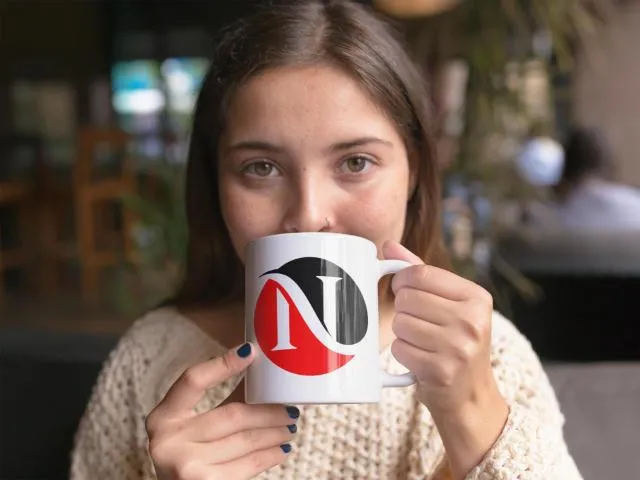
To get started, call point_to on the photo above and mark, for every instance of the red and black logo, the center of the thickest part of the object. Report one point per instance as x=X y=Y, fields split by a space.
x=308 y=314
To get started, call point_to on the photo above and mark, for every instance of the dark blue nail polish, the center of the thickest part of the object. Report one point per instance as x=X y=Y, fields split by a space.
x=244 y=351
x=286 y=448
x=293 y=412
x=292 y=428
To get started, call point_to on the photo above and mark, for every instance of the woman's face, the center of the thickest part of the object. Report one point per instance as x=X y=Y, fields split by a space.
x=305 y=150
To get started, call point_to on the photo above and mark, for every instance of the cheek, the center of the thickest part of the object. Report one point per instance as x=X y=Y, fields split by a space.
x=246 y=217
x=380 y=213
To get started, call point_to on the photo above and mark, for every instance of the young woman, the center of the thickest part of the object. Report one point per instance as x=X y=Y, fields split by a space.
x=313 y=118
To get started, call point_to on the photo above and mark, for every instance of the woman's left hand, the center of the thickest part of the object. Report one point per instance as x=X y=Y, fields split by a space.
x=443 y=330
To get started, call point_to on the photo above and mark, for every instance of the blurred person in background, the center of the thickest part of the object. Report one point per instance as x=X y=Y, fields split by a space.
x=586 y=197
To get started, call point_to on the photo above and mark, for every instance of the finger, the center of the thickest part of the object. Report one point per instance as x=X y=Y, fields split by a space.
x=434 y=280
x=253 y=464
x=418 y=333
x=244 y=443
x=424 y=305
x=189 y=389
x=415 y=359
x=396 y=251
x=427 y=277
x=433 y=370
x=232 y=418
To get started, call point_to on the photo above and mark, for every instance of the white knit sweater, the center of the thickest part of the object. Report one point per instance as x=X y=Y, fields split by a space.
x=395 y=439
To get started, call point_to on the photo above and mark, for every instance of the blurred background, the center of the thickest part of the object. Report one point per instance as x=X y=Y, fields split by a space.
x=535 y=103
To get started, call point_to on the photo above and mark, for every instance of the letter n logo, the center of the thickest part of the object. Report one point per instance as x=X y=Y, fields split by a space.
x=305 y=307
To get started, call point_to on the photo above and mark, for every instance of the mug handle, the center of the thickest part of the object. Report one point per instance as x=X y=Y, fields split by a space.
x=388 y=267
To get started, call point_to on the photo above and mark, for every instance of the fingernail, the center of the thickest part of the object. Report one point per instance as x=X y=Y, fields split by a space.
x=293 y=412
x=286 y=448
x=292 y=428
x=244 y=351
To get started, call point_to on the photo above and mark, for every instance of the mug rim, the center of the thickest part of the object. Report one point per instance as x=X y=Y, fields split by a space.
x=345 y=236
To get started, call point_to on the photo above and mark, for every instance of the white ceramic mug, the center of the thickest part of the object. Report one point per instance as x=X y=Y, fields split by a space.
x=312 y=311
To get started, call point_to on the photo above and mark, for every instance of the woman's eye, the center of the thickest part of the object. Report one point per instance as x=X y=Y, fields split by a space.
x=261 y=169
x=356 y=164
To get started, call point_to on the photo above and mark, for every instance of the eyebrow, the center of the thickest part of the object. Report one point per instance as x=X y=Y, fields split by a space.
x=255 y=145
x=337 y=147
x=359 y=142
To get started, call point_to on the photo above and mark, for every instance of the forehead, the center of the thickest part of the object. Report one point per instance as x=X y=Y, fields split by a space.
x=318 y=99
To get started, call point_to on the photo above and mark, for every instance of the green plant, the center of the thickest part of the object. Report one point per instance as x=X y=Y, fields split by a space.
x=501 y=42
x=160 y=238
x=161 y=232
x=505 y=49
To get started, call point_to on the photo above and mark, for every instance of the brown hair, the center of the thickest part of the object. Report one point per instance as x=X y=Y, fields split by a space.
x=343 y=34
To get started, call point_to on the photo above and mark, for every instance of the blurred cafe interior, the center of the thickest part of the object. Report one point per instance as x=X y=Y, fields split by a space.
x=96 y=99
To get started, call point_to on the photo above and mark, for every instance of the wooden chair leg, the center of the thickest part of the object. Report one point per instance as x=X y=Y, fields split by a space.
x=28 y=244
x=90 y=284
x=2 y=286
x=86 y=245
x=48 y=267
x=128 y=226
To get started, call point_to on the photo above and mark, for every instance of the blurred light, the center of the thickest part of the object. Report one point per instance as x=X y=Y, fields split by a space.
x=183 y=78
x=138 y=101
x=541 y=162
x=137 y=87
x=413 y=8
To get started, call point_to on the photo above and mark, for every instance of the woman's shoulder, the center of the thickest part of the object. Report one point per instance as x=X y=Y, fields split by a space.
x=515 y=363
x=158 y=325
x=509 y=345
x=158 y=347
x=504 y=331
x=165 y=336
x=165 y=331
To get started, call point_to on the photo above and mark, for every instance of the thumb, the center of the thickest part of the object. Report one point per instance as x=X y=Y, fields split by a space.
x=395 y=251
x=233 y=362
x=191 y=387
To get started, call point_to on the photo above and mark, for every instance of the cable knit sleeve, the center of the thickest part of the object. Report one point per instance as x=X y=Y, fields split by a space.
x=111 y=440
x=531 y=445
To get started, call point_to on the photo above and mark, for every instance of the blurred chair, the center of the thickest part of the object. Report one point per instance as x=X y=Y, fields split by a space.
x=16 y=195
x=21 y=163
x=35 y=442
x=590 y=282
x=103 y=175
x=57 y=233
x=91 y=191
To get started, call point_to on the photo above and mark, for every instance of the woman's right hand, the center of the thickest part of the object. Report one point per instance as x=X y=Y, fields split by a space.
x=234 y=441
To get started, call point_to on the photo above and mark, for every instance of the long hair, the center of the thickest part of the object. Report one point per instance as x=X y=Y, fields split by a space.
x=341 y=34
